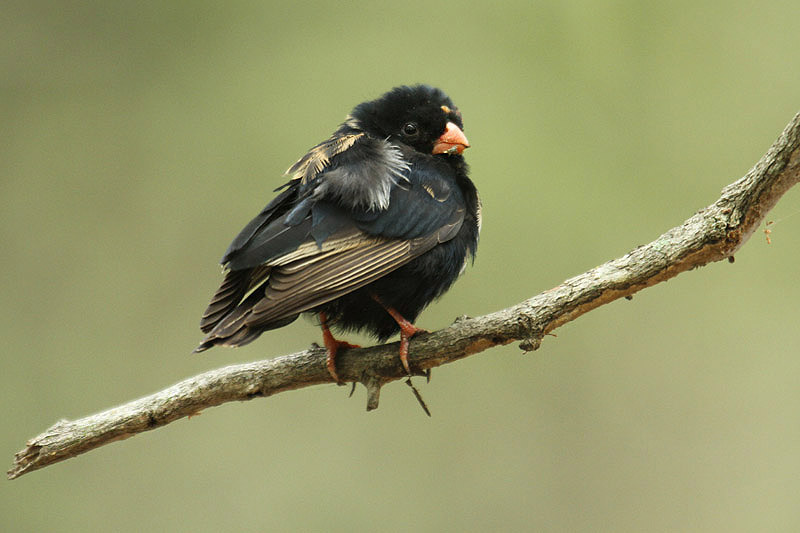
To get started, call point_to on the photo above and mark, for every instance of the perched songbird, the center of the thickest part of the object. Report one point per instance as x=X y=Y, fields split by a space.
x=375 y=223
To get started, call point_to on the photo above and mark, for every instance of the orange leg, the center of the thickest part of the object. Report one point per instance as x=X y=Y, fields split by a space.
x=407 y=330
x=332 y=345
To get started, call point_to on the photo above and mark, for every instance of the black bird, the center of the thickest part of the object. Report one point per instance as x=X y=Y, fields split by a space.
x=375 y=223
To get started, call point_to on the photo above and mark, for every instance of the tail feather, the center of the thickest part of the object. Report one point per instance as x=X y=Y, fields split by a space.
x=233 y=331
x=226 y=298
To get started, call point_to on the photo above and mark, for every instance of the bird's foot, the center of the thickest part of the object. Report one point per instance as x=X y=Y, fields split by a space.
x=407 y=330
x=330 y=360
x=332 y=346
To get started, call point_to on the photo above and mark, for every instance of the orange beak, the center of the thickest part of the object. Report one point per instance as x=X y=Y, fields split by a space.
x=451 y=141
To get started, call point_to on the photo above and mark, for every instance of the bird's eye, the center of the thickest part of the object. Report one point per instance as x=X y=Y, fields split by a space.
x=410 y=129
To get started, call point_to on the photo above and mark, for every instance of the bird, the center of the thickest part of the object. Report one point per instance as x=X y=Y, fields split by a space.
x=375 y=223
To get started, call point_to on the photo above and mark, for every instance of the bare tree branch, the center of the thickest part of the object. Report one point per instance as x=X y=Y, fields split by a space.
x=712 y=234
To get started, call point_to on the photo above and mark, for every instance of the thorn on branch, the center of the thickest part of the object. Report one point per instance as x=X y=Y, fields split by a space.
x=418 y=396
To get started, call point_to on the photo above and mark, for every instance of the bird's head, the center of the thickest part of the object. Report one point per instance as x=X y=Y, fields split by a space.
x=419 y=116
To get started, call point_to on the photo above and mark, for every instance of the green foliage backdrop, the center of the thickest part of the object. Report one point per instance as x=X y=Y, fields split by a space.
x=137 y=138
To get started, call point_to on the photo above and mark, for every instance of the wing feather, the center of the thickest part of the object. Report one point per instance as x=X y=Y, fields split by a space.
x=319 y=157
x=291 y=292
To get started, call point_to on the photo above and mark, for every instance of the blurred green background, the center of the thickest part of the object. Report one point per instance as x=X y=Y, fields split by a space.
x=138 y=138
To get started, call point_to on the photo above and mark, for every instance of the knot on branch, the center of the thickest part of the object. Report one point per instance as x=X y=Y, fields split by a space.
x=531 y=344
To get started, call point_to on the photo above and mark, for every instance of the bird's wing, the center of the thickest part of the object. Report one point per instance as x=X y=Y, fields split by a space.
x=331 y=252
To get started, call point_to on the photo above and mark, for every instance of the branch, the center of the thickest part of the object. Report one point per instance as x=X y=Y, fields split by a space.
x=712 y=234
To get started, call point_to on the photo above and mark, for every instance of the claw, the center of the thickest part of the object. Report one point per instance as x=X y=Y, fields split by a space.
x=332 y=346
x=407 y=330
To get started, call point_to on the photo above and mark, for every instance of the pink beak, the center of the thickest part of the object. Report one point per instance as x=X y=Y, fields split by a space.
x=452 y=140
